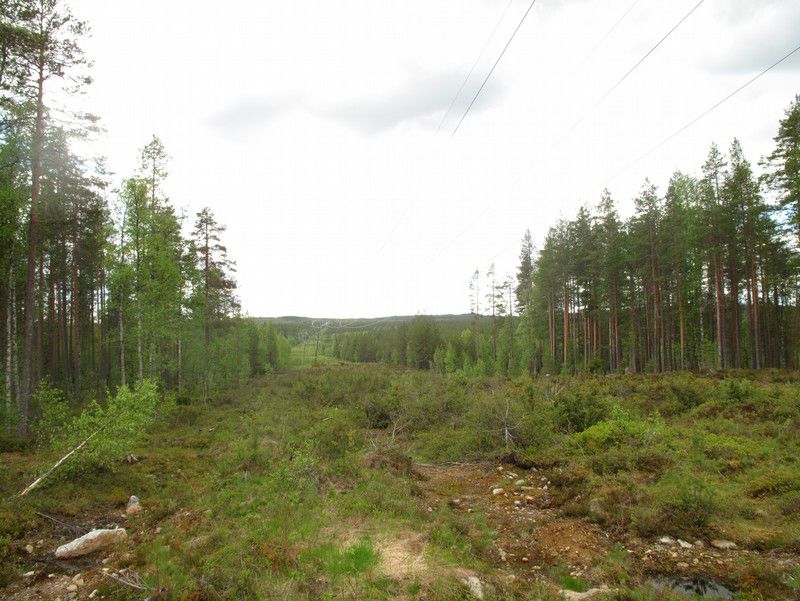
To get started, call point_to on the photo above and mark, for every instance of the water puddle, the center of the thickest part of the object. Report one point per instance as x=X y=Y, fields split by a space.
x=693 y=587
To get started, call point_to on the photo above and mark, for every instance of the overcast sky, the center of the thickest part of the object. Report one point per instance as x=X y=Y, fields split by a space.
x=310 y=127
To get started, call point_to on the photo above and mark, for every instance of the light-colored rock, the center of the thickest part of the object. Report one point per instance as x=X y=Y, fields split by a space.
x=474 y=585
x=520 y=482
x=667 y=540
x=585 y=596
x=93 y=594
x=29 y=549
x=134 y=506
x=725 y=545
x=90 y=542
x=498 y=491
x=684 y=544
x=29 y=574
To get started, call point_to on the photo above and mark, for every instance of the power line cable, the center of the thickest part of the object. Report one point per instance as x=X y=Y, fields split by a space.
x=607 y=35
x=475 y=64
x=704 y=114
x=489 y=74
x=628 y=73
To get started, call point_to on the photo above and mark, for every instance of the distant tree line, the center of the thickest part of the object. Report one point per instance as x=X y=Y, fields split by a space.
x=703 y=275
x=98 y=288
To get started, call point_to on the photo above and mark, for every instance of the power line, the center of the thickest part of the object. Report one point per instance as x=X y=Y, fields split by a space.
x=705 y=113
x=628 y=73
x=499 y=58
x=607 y=35
x=475 y=64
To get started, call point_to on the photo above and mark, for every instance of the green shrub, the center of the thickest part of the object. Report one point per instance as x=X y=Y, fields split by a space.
x=580 y=408
x=685 y=504
x=114 y=428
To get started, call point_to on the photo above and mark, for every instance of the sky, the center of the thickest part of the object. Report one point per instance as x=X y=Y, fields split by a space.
x=319 y=132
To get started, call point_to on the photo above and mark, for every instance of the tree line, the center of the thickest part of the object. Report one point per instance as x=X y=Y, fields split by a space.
x=100 y=287
x=701 y=275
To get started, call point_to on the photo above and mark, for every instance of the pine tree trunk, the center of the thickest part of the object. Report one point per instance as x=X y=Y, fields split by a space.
x=23 y=398
x=9 y=377
x=720 y=304
x=566 y=322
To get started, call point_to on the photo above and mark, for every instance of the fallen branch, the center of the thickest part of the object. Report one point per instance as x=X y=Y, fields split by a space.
x=131 y=579
x=38 y=480
x=67 y=525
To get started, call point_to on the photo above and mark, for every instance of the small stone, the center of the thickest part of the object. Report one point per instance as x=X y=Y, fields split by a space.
x=544 y=487
x=525 y=559
x=134 y=506
x=517 y=503
x=699 y=543
x=29 y=549
x=725 y=545
x=72 y=588
x=93 y=594
x=520 y=482
x=683 y=565
x=29 y=574
x=498 y=491
x=684 y=544
x=667 y=540
x=474 y=585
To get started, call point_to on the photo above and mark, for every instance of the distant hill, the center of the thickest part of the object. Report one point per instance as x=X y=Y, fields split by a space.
x=293 y=323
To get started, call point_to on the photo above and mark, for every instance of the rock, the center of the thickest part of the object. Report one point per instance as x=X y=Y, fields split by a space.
x=93 y=594
x=29 y=574
x=29 y=549
x=683 y=565
x=72 y=588
x=134 y=506
x=684 y=544
x=725 y=545
x=90 y=542
x=520 y=482
x=474 y=585
x=667 y=540
x=596 y=507
x=699 y=543
x=498 y=491
x=130 y=458
x=585 y=596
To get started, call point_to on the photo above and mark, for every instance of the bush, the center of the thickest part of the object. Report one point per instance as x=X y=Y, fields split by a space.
x=579 y=409
x=686 y=504
x=114 y=428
